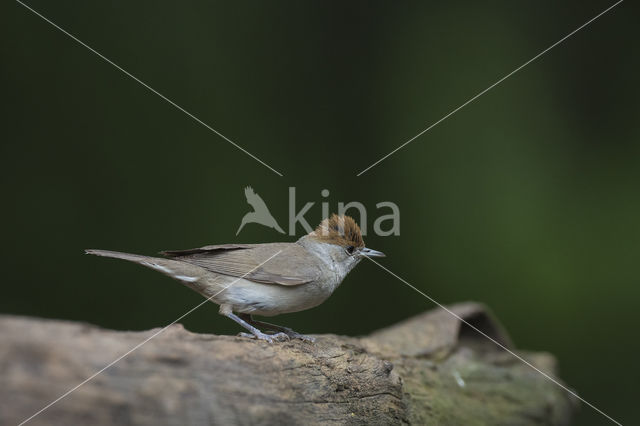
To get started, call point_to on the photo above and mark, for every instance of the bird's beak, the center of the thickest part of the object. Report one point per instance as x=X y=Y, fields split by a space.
x=371 y=253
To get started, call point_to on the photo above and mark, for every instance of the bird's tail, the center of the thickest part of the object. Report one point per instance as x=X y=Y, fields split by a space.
x=118 y=255
x=182 y=271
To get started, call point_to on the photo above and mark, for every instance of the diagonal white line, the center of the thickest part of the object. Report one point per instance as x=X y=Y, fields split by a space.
x=141 y=343
x=491 y=87
x=546 y=375
x=150 y=88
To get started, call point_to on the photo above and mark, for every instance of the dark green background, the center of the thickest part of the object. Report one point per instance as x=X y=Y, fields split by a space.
x=526 y=200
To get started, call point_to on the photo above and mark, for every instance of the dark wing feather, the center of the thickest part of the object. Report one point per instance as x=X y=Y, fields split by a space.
x=243 y=260
x=205 y=249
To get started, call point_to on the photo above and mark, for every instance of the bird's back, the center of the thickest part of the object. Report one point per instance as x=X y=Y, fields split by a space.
x=270 y=263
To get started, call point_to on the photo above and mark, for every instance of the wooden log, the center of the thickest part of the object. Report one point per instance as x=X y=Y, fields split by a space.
x=429 y=369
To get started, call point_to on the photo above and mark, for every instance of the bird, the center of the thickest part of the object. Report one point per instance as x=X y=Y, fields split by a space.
x=261 y=213
x=265 y=279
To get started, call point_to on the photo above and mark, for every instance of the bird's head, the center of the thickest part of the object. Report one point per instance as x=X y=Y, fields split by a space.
x=340 y=238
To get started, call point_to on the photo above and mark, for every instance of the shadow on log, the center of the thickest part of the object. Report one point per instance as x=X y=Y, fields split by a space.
x=429 y=369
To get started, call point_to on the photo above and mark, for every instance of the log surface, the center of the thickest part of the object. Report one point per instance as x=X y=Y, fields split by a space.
x=429 y=369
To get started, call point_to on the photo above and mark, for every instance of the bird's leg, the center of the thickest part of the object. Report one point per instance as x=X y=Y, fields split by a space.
x=286 y=330
x=255 y=332
x=226 y=311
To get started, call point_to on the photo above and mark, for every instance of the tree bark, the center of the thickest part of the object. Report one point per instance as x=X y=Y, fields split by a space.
x=429 y=369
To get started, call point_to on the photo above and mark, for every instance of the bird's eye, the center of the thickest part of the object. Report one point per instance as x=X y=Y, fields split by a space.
x=350 y=249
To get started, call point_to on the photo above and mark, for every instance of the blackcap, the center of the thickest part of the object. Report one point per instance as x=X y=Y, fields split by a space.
x=265 y=279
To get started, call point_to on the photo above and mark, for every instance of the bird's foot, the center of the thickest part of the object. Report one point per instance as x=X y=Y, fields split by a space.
x=280 y=337
x=277 y=337
x=295 y=335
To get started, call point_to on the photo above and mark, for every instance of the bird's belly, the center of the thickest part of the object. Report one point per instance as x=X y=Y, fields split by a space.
x=272 y=299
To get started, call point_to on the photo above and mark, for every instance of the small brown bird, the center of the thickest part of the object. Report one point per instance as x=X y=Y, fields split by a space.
x=266 y=279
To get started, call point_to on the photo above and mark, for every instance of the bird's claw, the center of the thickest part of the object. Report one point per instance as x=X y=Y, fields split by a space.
x=270 y=338
x=295 y=335
x=292 y=334
x=282 y=336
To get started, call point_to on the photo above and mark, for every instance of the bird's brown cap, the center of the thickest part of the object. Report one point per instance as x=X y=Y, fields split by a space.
x=339 y=230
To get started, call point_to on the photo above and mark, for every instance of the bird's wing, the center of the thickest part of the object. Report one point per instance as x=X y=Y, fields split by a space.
x=205 y=249
x=255 y=200
x=277 y=263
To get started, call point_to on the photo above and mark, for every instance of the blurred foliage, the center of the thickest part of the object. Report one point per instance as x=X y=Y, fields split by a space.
x=527 y=199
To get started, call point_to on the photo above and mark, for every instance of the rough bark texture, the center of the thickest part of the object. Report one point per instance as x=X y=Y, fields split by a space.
x=430 y=369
